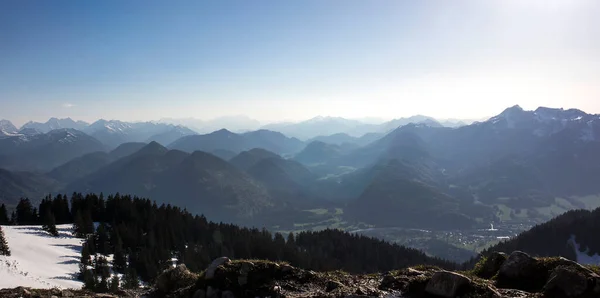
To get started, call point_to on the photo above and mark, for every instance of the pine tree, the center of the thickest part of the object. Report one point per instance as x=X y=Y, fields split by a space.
x=24 y=215
x=78 y=225
x=4 y=220
x=50 y=223
x=102 y=239
x=101 y=267
x=120 y=259
x=4 y=249
x=102 y=286
x=114 y=284
x=89 y=280
x=131 y=280
x=86 y=259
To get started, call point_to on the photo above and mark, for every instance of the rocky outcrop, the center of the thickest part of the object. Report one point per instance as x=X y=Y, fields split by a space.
x=22 y=292
x=174 y=279
x=446 y=284
x=210 y=271
x=518 y=276
x=489 y=266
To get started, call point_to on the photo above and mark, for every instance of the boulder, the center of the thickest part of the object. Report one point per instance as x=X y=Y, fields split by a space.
x=491 y=265
x=245 y=268
x=199 y=294
x=212 y=292
x=446 y=284
x=227 y=294
x=332 y=286
x=522 y=272
x=210 y=271
x=175 y=278
x=569 y=281
x=517 y=265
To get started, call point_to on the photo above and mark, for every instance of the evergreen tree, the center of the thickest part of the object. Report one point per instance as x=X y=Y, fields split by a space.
x=78 y=225
x=86 y=260
x=114 y=284
x=88 y=222
x=89 y=280
x=102 y=239
x=4 y=249
x=35 y=217
x=24 y=215
x=101 y=267
x=102 y=286
x=50 y=223
x=13 y=218
x=120 y=259
x=4 y=220
x=130 y=280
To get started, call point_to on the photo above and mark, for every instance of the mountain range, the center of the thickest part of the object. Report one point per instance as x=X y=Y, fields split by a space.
x=326 y=126
x=417 y=175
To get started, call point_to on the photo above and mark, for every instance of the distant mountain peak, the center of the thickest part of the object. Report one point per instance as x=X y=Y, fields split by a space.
x=513 y=109
x=222 y=131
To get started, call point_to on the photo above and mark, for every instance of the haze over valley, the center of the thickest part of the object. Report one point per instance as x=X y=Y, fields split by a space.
x=223 y=149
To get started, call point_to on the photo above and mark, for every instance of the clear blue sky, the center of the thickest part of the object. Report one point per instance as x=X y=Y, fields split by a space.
x=282 y=60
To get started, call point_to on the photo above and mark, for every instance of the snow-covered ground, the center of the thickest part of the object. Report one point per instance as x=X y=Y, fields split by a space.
x=39 y=260
x=583 y=255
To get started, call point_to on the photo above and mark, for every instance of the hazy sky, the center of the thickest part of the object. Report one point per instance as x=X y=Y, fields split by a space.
x=289 y=60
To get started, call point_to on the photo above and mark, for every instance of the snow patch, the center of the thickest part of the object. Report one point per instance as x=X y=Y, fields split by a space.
x=39 y=260
x=583 y=256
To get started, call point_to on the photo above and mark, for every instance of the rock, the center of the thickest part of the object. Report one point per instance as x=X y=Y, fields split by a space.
x=210 y=271
x=245 y=268
x=53 y=296
x=446 y=284
x=567 y=281
x=66 y=293
x=212 y=293
x=175 y=278
x=243 y=280
x=518 y=265
x=227 y=294
x=492 y=265
x=286 y=268
x=333 y=285
x=199 y=294
x=413 y=272
x=512 y=293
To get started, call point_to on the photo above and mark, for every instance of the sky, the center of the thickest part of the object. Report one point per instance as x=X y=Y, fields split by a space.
x=293 y=60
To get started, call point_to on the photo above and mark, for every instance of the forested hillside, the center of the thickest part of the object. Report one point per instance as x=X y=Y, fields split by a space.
x=564 y=235
x=145 y=238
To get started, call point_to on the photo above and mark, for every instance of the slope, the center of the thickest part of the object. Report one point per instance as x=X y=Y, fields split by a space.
x=39 y=260
x=16 y=185
x=201 y=182
x=224 y=139
x=43 y=152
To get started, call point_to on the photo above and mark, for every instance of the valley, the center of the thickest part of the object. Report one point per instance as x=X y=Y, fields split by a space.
x=452 y=193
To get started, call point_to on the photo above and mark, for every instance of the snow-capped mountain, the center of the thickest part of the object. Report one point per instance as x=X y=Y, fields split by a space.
x=114 y=132
x=549 y=121
x=7 y=129
x=55 y=123
x=45 y=151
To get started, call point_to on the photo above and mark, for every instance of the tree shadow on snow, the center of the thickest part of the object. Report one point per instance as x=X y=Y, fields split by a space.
x=70 y=276
x=75 y=248
x=69 y=262
x=39 y=233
